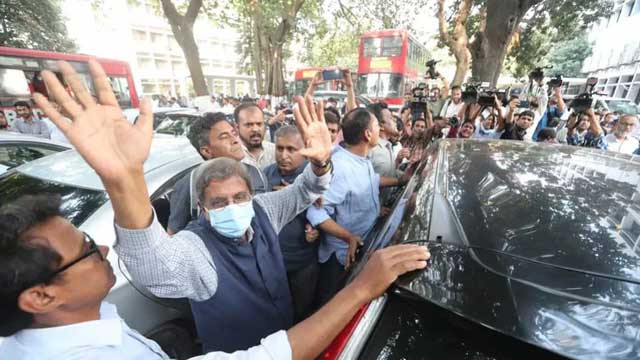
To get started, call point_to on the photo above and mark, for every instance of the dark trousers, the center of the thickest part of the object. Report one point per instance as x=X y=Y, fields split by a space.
x=302 y=284
x=332 y=278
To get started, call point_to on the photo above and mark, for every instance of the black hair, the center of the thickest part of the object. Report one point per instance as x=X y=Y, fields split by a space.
x=287 y=130
x=456 y=87
x=23 y=263
x=354 y=124
x=376 y=109
x=244 y=106
x=436 y=118
x=22 y=103
x=332 y=100
x=546 y=134
x=334 y=111
x=528 y=113
x=199 y=131
x=331 y=118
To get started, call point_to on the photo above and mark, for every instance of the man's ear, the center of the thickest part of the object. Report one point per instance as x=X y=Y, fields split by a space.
x=40 y=299
x=367 y=135
x=205 y=152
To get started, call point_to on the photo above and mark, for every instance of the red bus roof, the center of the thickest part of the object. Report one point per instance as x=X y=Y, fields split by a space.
x=111 y=66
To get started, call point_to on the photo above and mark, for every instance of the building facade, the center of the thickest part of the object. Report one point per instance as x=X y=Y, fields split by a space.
x=616 y=52
x=138 y=33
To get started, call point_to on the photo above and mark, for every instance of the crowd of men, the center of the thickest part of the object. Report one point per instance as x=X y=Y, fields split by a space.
x=262 y=235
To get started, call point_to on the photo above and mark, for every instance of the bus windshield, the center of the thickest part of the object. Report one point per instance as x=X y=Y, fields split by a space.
x=380 y=85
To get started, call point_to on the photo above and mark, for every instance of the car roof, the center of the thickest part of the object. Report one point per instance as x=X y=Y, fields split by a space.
x=69 y=167
x=15 y=137
x=537 y=241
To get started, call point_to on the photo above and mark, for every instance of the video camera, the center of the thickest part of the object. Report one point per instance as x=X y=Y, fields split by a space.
x=537 y=73
x=556 y=82
x=481 y=94
x=419 y=100
x=583 y=101
x=431 y=69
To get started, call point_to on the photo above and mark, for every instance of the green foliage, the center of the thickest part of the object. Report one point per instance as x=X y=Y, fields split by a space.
x=567 y=58
x=34 y=24
x=556 y=24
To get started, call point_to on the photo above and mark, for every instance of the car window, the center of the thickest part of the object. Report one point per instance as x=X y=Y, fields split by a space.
x=12 y=155
x=175 y=125
x=77 y=204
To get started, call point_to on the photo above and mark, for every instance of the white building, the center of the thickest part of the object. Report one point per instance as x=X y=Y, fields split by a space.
x=120 y=29
x=616 y=52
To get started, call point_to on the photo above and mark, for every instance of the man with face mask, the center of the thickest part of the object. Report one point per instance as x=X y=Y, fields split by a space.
x=228 y=263
x=212 y=136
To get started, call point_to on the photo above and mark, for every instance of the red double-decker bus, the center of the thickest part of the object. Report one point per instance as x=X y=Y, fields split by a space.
x=390 y=64
x=20 y=76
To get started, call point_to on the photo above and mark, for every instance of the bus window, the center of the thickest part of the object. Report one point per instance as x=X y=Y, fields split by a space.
x=13 y=86
x=392 y=46
x=372 y=47
x=120 y=87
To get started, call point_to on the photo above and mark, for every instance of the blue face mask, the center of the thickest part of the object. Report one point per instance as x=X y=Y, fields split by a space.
x=232 y=220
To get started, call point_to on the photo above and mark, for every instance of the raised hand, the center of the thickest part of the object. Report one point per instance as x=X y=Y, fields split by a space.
x=112 y=146
x=314 y=131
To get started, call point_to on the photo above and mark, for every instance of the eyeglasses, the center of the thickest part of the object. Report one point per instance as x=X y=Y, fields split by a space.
x=93 y=249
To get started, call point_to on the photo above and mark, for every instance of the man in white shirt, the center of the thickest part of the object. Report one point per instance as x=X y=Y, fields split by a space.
x=48 y=311
x=251 y=129
x=56 y=261
x=620 y=139
x=453 y=106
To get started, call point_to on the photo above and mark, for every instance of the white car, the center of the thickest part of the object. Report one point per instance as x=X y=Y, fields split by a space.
x=86 y=205
x=17 y=149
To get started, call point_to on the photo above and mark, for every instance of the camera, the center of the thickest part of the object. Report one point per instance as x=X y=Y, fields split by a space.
x=556 y=82
x=583 y=101
x=454 y=121
x=331 y=74
x=481 y=94
x=431 y=69
x=419 y=100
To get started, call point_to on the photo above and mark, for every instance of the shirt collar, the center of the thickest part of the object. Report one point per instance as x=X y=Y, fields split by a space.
x=351 y=155
x=108 y=331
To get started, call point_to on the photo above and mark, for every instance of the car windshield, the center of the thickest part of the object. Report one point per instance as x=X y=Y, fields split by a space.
x=623 y=106
x=175 y=125
x=77 y=204
x=380 y=85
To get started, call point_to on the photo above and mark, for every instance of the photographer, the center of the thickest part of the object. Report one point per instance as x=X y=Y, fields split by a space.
x=555 y=109
x=535 y=95
x=584 y=130
x=348 y=84
x=437 y=95
x=516 y=129
x=454 y=104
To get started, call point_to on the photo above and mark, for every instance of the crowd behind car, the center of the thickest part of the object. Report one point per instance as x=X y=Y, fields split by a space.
x=262 y=236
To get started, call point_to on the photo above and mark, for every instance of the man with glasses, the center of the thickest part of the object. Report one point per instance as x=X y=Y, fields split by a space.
x=55 y=279
x=228 y=263
x=620 y=139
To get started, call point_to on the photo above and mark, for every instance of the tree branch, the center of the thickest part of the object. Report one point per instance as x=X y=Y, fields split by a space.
x=171 y=12
x=193 y=10
x=442 y=22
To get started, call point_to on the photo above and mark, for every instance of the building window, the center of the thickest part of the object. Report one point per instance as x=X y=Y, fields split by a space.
x=139 y=35
x=162 y=65
x=157 y=38
x=144 y=64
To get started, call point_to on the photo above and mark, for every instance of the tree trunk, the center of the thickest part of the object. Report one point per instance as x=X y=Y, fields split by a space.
x=458 y=40
x=489 y=49
x=192 y=55
x=182 y=28
x=277 y=74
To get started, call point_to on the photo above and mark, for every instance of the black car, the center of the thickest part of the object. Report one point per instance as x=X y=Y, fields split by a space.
x=535 y=254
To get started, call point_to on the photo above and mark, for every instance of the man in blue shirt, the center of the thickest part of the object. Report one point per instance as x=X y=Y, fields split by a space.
x=555 y=110
x=584 y=130
x=352 y=203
